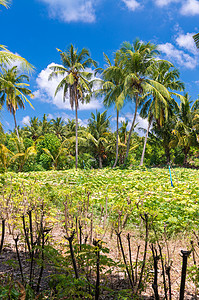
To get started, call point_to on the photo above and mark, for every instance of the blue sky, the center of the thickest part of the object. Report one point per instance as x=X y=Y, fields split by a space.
x=35 y=28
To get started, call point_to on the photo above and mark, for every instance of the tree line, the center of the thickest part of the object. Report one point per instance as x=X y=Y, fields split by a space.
x=135 y=75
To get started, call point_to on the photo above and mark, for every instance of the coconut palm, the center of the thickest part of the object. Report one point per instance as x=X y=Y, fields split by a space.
x=112 y=90
x=5 y=156
x=98 y=126
x=184 y=132
x=156 y=109
x=13 y=91
x=45 y=125
x=33 y=130
x=23 y=154
x=4 y=3
x=58 y=127
x=75 y=81
x=138 y=61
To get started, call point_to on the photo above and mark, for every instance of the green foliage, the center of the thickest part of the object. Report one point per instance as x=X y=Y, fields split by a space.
x=50 y=142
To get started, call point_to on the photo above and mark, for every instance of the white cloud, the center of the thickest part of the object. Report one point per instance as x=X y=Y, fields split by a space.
x=186 y=41
x=26 y=120
x=121 y=119
x=132 y=4
x=178 y=56
x=190 y=8
x=83 y=122
x=139 y=122
x=72 y=10
x=162 y=3
x=46 y=90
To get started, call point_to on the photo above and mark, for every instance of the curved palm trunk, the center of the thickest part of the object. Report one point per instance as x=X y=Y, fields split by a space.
x=16 y=125
x=116 y=158
x=132 y=126
x=76 y=134
x=145 y=141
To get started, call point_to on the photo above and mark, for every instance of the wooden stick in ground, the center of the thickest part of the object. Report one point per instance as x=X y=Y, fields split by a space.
x=130 y=256
x=70 y=240
x=18 y=257
x=185 y=255
x=96 y=243
x=136 y=265
x=168 y=272
x=2 y=234
x=124 y=258
x=80 y=236
x=155 y=265
x=32 y=246
x=163 y=272
x=145 y=219
x=26 y=235
x=42 y=260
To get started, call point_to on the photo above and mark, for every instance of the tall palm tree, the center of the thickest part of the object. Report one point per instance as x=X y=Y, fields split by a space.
x=98 y=126
x=138 y=61
x=13 y=91
x=112 y=90
x=156 y=109
x=76 y=81
x=184 y=132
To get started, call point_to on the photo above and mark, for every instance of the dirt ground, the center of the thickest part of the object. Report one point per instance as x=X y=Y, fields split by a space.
x=118 y=280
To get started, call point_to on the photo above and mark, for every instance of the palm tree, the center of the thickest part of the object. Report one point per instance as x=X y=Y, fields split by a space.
x=76 y=81
x=5 y=156
x=4 y=3
x=156 y=109
x=45 y=125
x=33 y=130
x=58 y=127
x=13 y=91
x=98 y=127
x=23 y=154
x=112 y=90
x=138 y=61
x=184 y=132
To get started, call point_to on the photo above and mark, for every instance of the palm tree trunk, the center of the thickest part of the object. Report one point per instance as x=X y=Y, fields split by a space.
x=145 y=141
x=167 y=153
x=100 y=161
x=16 y=125
x=132 y=126
x=186 y=151
x=76 y=134
x=116 y=158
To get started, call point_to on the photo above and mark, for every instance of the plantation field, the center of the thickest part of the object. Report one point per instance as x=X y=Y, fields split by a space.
x=132 y=191
x=99 y=212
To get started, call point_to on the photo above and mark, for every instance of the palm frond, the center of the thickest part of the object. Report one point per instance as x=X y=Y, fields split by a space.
x=196 y=39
